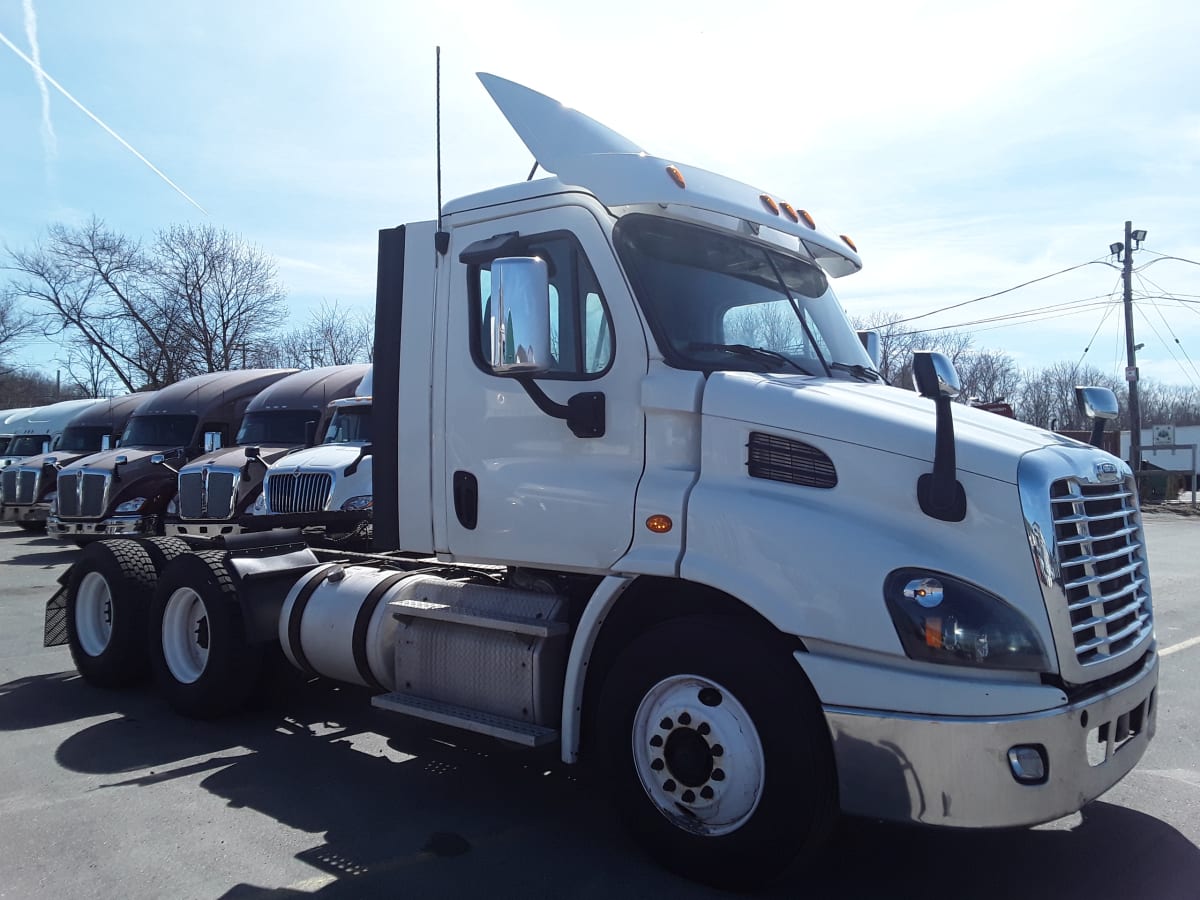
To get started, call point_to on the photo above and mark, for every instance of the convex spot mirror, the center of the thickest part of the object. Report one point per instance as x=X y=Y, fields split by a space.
x=934 y=375
x=1096 y=402
x=519 y=326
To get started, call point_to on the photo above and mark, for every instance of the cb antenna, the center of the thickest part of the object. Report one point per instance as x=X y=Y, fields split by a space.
x=441 y=240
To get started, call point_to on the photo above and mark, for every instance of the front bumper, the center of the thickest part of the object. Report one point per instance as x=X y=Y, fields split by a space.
x=954 y=771
x=201 y=528
x=78 y=529
x=26 y=513
x=331 y=521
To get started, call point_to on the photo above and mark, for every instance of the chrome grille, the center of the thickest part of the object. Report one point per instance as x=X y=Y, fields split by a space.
x=92 y=497
x=68 y=494
x=298 y=493
x=207 y=494
x=27 y=486
x=8 y=485
x=191 y=495
x=1102 y=566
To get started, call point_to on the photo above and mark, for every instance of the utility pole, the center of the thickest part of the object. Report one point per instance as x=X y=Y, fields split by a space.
x=1131 y=372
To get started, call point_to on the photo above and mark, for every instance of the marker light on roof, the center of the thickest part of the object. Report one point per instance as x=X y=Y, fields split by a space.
x=808 y=220
x=791 y=211
x=849 y=243
x=769 y=203
x=676 y=176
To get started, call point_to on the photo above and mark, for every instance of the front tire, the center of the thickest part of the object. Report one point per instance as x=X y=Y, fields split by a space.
x=716 y=751
x=202 y=662
x=108 y=594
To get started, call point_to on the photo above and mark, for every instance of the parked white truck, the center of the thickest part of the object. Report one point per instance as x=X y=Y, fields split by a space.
x=327 y=486
x=39 y=429
x=6 y=434
x=672 y=522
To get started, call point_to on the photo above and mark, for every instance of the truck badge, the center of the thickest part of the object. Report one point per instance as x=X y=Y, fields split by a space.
x=1106 y=471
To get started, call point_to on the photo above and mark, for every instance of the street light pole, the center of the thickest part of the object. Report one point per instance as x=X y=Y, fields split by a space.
x=1131 y=372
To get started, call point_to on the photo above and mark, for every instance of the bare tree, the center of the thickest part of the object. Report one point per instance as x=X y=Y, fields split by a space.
x=189 y=304
x=15 y=323
x=989 y=375
x=333 y=336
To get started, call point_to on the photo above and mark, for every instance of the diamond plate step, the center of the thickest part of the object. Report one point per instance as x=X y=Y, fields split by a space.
x=513 y=730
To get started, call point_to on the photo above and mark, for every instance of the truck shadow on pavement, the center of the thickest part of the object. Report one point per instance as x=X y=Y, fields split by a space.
x=398 y=807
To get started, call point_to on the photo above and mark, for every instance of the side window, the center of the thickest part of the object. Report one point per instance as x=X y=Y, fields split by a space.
x=581 y=344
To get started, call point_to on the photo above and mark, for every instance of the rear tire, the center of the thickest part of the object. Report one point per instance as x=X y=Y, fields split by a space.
x=108 y=593
x=198 y=650
x=164 y=549
x=716 y=751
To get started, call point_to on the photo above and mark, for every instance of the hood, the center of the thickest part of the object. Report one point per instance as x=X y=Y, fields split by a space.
x=136 y=457
x=321 y=458
x=234 y=457
x=874 y=415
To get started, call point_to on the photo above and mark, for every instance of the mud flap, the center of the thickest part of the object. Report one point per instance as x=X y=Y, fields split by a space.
x=56 y=619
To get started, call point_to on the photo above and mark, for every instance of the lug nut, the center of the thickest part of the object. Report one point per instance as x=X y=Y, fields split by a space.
x=669 y=786
x=666 y=724
x=689 y=797
x=717 y=775
x=706 y=792
x=685 y=719
x=657 y=765
x=656 y=741
x=717 y=750
x=703 y=728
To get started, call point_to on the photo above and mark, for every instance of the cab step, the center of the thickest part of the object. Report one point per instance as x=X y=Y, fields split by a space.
x=513 y=730
x=489 y=619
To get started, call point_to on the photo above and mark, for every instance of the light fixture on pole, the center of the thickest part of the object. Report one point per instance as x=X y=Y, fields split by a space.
x=1115 y=250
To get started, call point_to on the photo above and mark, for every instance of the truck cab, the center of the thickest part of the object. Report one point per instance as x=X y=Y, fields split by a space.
x=31 y=486
x=39 y=430
x=125 y=490
x=6 y=434
x=216 y=488
x=329 y=485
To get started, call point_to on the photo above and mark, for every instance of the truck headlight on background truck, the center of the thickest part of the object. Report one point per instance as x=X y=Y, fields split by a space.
x=173 y=506
x=52 y=499
x=260 y=505
x=358 y=504
x=944 y=620
x=131 y=506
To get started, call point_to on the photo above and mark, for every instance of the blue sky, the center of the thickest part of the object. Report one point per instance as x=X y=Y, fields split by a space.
x=966 y=147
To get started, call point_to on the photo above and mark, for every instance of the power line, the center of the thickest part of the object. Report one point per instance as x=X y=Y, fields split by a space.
x=1174 y=336
x=1015 y=287
x=1081 y=302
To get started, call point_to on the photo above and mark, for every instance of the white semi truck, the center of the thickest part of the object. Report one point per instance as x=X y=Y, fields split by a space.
x=646 y=500
x=327 y=486
x=39 y=430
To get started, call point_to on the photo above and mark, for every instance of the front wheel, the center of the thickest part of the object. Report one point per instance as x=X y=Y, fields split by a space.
x=716 y=751
x=202 y=662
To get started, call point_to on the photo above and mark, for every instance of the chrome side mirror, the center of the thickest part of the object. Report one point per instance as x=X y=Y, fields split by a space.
x=519 y=339
x=212 y=441
x=158 y=459
x=106 y=442
x=870 y=342
x=934 y=375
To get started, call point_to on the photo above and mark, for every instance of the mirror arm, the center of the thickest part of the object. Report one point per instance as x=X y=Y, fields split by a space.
x=584 y=413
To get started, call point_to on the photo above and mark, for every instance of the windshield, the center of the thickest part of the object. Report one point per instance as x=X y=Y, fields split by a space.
x=720 y=301
x=4 y=443
x=27 y=445
x=159 y=431
x=279 y=428
x=82 y=438
x=350 y=424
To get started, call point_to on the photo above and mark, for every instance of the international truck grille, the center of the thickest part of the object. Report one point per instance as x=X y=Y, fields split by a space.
x=26 y=489
x=207 y=494
x=8 y=485
x=780 y=459
x=82 y=494
x=1102 y=566
x=298 y=493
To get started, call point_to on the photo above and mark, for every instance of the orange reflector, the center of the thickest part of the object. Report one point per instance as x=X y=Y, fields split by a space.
x=791 y=211
x=808 y=220
x=850 y=243
x=769 y=203
x=659 y=524
x=933 y=633
x=676 y=176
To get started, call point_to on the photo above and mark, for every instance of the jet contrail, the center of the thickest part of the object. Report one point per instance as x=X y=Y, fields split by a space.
x=87 y=112
x=47 y=125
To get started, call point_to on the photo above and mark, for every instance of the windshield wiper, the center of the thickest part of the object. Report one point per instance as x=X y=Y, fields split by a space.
x=762 y=354
x=864 y=373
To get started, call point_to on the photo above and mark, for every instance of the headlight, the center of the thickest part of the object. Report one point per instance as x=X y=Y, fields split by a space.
x=260 y=505
x=131 y=506
x=173 y=505
x=53 y=498
x=943 y=620
x=357 y=504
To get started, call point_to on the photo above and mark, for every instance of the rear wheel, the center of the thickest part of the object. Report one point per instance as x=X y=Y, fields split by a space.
x=164 y=549
x=108 y=593
x=202 y=662
x=716 y=751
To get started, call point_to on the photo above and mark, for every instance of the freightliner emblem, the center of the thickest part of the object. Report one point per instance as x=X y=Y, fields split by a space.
x=1106 y=471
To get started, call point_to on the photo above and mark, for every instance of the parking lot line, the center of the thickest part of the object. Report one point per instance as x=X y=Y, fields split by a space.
x=1182 y=645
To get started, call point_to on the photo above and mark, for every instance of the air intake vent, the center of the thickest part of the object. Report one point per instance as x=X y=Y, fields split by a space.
x=780 y=459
